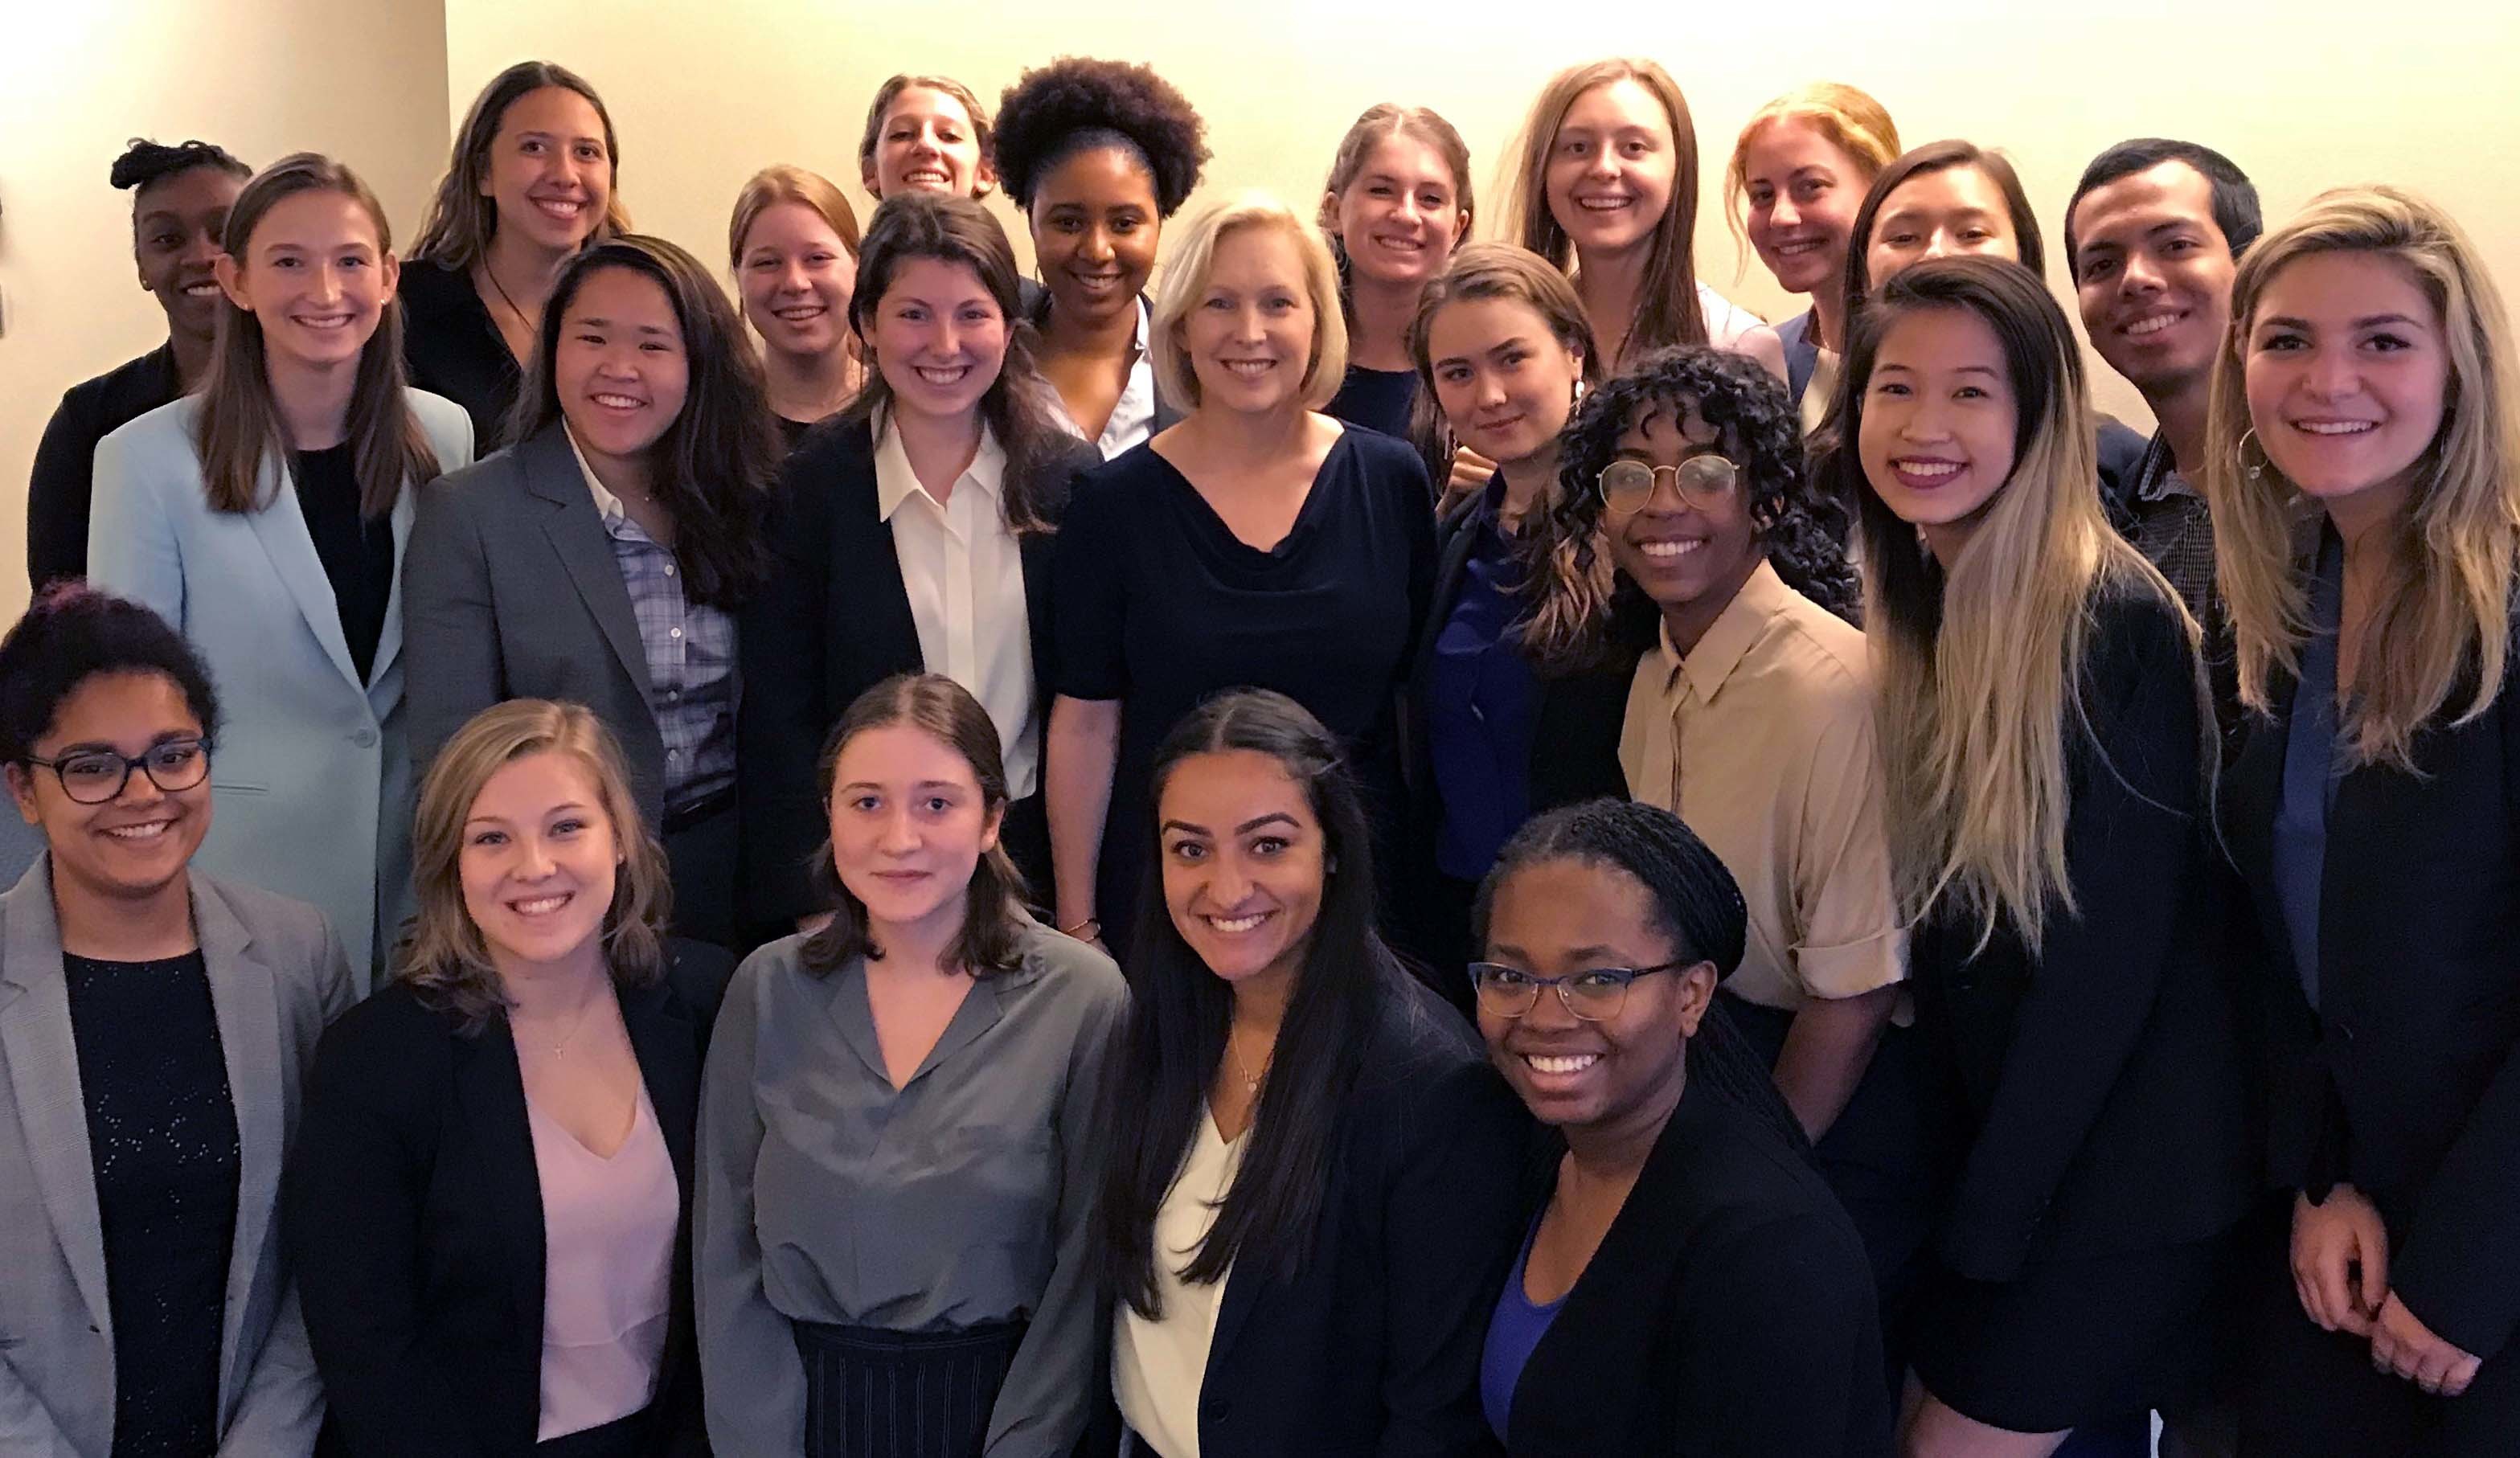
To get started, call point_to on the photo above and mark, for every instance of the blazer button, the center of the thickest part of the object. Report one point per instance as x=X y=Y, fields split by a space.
x=1214 y=1407
x=365 y=738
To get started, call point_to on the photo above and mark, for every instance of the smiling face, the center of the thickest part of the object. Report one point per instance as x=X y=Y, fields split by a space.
x=315 y=274
x=1402 y=215
x=1689 y=552
x=1936 y=214
x=1612 y=167
x=796 y=279
x=539 y=860
x=621 y=367
x=909 y=824
x=1804 y=191
x=2152 y=273
x=134 y=845
x=550 y=173
x=1504 y=382
x=1250 y=336
x=1939 y=423
x=927 y=144
x=175 y=227
x=1244 y=864
x=1556 y=918
x=2347 y=373
x=1095 y=225
x=938 y=337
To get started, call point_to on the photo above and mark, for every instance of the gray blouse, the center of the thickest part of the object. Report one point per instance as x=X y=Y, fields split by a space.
x=826 y=1195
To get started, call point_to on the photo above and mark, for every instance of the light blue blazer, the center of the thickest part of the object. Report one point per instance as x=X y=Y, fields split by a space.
x=277 y=975
x=311 y=775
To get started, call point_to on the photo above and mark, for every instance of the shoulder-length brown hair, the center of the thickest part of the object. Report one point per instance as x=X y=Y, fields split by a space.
x=993 y=915
x=2439 y=631
x=1667 y=310
x=238 y=427
x=716 y=464
x=442 y=953
x=1937 y=157
x=1017 y=406
x=460 y=222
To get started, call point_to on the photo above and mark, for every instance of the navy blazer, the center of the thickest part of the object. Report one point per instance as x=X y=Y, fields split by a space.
x=2404 y=1081
x=832 y=621
x=412 y=1209
x=1729 y=1312
x=1802 y=353
x=1373 y=1346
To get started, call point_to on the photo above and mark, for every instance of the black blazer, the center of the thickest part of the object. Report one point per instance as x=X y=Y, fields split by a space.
x=63 y=482
x=831 y=622
x=1729 y=1312
x=2095 y=1092
x=2405 y=1081
x=413 y=1215
x=1373 y=1346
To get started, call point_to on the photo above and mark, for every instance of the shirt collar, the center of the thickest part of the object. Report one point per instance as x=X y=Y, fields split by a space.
x=606 y=504
x=1729 y=639
x=895 y=482
x=2157 y=477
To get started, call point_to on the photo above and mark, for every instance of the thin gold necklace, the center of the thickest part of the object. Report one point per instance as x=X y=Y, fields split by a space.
x=1250 y=1081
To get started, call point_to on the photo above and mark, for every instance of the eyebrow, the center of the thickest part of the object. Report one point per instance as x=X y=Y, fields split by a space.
x=2366 y=322
x=601 y=323
x=559 y=137
x=1276 y=817
x=917 y=784
x=97 y=747
x=1900 y=214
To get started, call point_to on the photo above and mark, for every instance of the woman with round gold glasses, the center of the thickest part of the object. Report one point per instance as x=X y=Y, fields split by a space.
x=1684 y=1270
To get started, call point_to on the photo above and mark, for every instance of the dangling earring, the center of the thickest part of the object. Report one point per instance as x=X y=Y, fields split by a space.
x=2257 y=470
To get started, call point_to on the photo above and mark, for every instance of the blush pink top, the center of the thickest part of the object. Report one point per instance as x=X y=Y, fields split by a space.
x=608 y=1271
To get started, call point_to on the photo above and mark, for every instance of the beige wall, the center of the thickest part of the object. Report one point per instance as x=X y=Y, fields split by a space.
x=363 y=79
x=2303 y=93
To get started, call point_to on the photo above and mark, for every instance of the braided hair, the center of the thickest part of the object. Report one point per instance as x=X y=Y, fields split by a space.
x=1697 y=907
x=1580 y=609
x=144 y=163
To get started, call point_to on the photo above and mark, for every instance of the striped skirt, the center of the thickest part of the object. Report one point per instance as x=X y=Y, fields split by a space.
x=872 y=1393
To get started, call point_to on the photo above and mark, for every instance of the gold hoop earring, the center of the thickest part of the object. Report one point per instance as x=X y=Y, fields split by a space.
x=2256 y=471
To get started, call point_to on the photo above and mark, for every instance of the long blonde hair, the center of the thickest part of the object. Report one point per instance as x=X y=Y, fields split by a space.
x=1667 y=309
x=443 y=954
x=1980 y=665
x=2443 y=607
x=238 y=427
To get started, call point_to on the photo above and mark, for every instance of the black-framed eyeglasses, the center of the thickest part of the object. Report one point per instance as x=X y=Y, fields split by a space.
x=1596 y=995
x=1707 y=482
x=93 y=777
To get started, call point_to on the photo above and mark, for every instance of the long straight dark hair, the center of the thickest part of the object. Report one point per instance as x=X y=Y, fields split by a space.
x=715 y=465
x=1180 y=1012
x=238 y=427
x=1018 y=406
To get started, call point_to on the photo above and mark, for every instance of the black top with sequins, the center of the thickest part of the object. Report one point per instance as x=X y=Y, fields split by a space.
x=163 y=1133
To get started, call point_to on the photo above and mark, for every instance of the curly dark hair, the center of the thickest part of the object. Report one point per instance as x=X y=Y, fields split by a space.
x=1053 y=112
x=144 y=163
x=1579 y=608
x=73 y=633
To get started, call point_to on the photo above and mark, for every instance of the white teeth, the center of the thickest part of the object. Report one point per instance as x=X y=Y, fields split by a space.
x=1797 y=250
x=1603 y=204
x=943 y=376
x=618 y=402
x=2151 y=325
x=1928 y=469
x=800 y=313
x=541 y=906
x=925 y=174
x=1237 y=924
x=1665 y=550
x=202 y=290
x=1574 y=1064
x=558 y=207
x=2335 y=428
x=323 y=321
x=148 y=832
x=1250 y=368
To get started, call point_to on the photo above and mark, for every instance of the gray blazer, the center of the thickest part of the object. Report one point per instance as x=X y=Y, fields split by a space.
x=312 y=780
x=511 y=590
x=277 y=975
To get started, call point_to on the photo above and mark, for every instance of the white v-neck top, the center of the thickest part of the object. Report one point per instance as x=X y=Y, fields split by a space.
x=1158 y=1367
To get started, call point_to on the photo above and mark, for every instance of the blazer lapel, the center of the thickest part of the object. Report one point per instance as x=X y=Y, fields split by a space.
x=491 y=1090
x=668 y=1049
x=870 y=608
x=281 y=527
x=389 y=638
x=44 y=1079
x=577 y=533
x=244 y=999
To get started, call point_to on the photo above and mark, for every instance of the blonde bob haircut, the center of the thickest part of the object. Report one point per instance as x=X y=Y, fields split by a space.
x=1185 y=280
x=443 y=954
x=772 y=186
x=1848 y=117
x=2440 y=624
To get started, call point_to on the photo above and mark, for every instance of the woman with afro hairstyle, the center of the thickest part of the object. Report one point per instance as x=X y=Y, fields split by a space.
x=1098 y=153
x=180 y=198
x=1685 y=529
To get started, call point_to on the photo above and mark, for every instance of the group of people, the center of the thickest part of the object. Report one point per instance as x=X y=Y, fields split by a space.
x=1679 y=885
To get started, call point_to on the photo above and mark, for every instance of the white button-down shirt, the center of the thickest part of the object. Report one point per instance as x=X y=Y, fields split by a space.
x=1133 y=415
x=965 y=576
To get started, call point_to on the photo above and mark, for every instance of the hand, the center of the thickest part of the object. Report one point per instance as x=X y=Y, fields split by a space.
x=2404 y=1346
x=2340 y=1261
x=1470 y=471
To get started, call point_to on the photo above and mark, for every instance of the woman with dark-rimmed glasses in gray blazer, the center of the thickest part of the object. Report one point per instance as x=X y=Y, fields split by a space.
x=153 y=1024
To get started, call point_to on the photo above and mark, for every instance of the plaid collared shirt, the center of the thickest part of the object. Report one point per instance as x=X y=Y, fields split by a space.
x=691 y=659
x=2167 y=521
